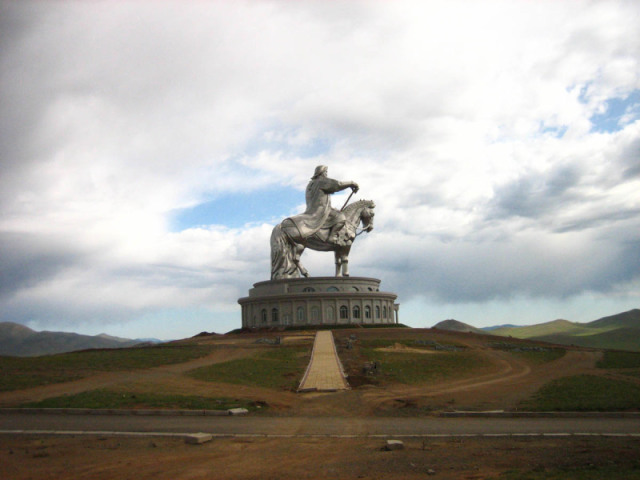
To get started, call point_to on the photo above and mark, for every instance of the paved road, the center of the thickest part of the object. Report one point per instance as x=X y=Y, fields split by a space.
x=254 y=425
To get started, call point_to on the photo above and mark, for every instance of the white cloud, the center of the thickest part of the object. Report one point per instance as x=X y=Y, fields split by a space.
x=469 y=124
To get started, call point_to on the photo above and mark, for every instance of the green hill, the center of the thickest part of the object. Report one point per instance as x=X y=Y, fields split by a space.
x=456 y=326
x=549 y=328
x=630 y=319
x=621 y=331
x=619 y=339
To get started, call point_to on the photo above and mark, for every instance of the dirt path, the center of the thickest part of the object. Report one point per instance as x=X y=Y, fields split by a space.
x=170 y=378
x=513 y=381
x=515 y=388
x=508 y=369
x=506 y=382
x=511 y=369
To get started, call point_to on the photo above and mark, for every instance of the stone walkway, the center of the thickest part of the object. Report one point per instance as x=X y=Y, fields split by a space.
x=324 y=373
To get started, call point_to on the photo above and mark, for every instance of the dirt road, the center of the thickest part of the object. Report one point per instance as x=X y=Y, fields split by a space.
x=322 y=426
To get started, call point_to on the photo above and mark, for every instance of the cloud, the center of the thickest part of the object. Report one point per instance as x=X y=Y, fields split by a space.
x=535 y=194
x=30 y=259
x=475 y=126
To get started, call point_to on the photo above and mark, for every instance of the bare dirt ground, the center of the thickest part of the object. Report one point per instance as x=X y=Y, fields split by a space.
x=501 y=385
x=503 y=382
x=97 y=458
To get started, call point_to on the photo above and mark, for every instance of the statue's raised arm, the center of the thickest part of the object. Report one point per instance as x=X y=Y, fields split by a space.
x=320 y=227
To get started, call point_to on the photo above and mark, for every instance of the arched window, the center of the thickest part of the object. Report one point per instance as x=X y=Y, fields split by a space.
x=333 y=289
x=274 y=315
x=330 y=314
x=300 y=314
x=315 y=314
x=377 y=311
x=384 y=312
x=355 y=289
x=308 y=289
x=367 y=312
x=264 y=315
x=344 y=312
x=356 y=312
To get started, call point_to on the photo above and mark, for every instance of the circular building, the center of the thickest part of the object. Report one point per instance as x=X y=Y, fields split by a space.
x=318 y=301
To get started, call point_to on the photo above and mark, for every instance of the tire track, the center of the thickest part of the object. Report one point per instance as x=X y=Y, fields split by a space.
x=513 y=374
x=107 y=379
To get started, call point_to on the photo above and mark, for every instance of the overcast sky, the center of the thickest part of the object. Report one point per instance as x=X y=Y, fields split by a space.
x=148 y=149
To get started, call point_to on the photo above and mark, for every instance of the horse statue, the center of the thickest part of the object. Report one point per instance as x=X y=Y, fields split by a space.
x=287 y=244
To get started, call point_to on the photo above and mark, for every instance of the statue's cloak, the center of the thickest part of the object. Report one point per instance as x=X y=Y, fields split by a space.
x=319 y=208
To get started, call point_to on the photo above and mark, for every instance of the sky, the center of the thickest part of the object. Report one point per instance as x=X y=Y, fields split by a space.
x=149 y=148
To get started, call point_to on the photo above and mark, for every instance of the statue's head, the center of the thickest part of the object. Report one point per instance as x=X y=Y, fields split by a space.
x=320 y=170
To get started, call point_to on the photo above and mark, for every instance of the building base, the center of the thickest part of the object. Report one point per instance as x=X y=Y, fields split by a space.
x=318 y=301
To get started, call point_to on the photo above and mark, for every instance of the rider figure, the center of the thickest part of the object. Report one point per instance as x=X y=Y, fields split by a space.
x=319 y=212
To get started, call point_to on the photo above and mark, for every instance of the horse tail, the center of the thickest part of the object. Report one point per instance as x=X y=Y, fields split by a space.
x=282 y=256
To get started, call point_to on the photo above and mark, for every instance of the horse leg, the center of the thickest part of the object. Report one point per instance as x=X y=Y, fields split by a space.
x=297 y=253
x=338 y=264
x=345 y=263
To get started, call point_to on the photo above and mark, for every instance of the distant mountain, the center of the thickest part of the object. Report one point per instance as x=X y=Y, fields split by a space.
x=128 y=340
x=630 y=319
x=111 y=337
x=556 y=326
x=151 y=340
x=18 y=340
x=621 y=331
x=495 y=327
x=456 y=326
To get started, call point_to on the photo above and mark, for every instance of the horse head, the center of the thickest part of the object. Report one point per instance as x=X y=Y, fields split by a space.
x=360 y=212
x=367 y=215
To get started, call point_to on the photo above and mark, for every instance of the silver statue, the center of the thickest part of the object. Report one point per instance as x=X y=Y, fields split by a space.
x=320 y=227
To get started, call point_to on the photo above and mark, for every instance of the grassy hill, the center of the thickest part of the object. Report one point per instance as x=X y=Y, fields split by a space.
x=621 y=331
x=630 y=319
x=619 y=339
x=549 y=328
x=456 y=326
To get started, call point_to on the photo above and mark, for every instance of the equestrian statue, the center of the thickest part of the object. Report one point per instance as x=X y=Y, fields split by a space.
x=320 y=227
